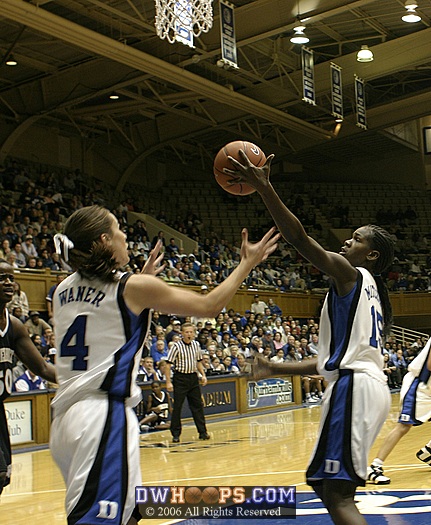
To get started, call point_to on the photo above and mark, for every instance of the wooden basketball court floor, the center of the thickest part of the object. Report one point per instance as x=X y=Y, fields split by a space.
x=270 y=449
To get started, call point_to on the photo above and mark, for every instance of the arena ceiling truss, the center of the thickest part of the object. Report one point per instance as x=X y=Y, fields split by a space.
x=177 y=102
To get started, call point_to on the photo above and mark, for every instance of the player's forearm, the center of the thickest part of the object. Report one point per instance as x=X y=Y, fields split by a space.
x=287 y=223
x=224 y=292
x=309 y=366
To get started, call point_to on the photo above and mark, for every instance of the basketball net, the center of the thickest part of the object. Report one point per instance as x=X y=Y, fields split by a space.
x=181 y=20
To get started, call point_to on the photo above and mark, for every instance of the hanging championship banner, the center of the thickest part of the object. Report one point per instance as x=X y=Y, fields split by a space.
x=361 y=115
x=336 y=91
x=183 y=22
x=309 y=94
x=227 y=29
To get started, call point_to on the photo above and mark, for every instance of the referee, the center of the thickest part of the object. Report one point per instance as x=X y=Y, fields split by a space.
x=186 y=358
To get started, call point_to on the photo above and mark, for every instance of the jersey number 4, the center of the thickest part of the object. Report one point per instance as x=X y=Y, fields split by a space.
x=73 y=344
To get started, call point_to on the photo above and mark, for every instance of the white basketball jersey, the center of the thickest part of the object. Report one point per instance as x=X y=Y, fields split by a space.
x=351 y=326
x=99 y=341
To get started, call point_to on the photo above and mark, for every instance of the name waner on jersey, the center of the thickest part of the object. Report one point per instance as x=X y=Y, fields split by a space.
x=85 y=294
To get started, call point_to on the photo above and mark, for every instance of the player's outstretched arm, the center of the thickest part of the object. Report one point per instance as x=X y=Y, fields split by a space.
x=146 y=291
x=331 y=263
x=263 y=368
x=29 y=354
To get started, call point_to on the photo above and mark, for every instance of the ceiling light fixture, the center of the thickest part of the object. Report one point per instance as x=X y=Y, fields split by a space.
x=365 y=55
x=299 y=37
x=411 y=16
x=11 y=61
x=114 y=96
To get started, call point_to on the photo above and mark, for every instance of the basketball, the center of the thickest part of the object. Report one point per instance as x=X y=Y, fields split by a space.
x=210 y=495
x=227 y=182
x=193 y=495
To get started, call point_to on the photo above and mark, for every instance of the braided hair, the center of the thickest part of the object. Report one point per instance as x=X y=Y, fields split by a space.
x=89 y=257
x=381 y=241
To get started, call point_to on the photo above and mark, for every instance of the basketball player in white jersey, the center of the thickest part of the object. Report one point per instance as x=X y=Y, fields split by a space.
x=101 y=319
x=415 y=409
x=355 y=316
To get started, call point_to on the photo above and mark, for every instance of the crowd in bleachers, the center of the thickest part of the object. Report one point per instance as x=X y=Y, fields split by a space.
x=35 y=204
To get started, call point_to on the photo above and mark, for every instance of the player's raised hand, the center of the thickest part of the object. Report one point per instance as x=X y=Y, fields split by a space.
x=259 y=251
x=247 y=172
x=153 y=265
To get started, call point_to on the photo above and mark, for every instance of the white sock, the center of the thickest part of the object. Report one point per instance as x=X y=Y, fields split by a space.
x=428 y=444
x=378 y=462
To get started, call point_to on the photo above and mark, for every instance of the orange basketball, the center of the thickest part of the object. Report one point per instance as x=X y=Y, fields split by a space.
x=227 y=182
x=210 y=495
x=193 y=495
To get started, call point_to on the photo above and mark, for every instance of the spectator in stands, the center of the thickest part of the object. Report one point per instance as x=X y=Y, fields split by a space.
x=20 y=300
x=292 y=354
x=21 y=261
x=258 y=306
x=160 y=351
x=278 y=357
x=275 y=310
x=28 y=248
x=313 y=346
x=229 y=367
x=399 y=361
x=278 y=342
x=267 y=340
x=391 y=372
x=172 y=247
x=17 y=312
x=160 y=236
x=242 y=364
x=11 y=259
x=36 y=325
x=28 y=381
x=147 y=372
x=217 y=365
x=175 y=329
x=5 y=249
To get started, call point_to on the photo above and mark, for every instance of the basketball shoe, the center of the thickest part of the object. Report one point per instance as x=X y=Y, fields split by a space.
x=375 y=475
x=424 y=454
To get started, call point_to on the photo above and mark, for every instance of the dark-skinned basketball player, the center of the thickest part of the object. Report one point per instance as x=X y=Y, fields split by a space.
x=355 y=318
x=14 y=341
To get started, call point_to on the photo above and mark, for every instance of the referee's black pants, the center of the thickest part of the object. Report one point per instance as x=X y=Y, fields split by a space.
x=187 y=386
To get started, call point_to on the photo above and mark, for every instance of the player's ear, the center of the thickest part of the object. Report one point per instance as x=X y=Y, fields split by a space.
x=373 y=255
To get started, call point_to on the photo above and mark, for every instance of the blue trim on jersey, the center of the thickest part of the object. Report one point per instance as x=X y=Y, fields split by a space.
x=409 y=402
x=409 y=405
x=333 y=455
x=102 y=483
x=342 y=311
x=118 y=380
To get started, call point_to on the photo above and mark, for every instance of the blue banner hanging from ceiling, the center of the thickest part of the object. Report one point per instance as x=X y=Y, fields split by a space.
x=361 y=110
x=308 y=90
x=227 y=30
x=337 y=92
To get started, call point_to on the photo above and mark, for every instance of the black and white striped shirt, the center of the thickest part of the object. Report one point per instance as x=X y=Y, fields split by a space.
x=185 y=356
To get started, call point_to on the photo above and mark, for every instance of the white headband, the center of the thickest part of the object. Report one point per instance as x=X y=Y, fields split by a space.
x=59 y=239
